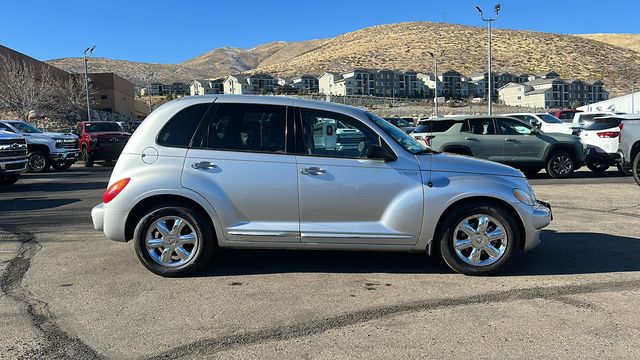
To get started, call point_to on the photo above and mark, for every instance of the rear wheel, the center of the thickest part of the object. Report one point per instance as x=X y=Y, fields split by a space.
x=38 y=162
x=8 y=179
x=561 y=164
x=625 y=169
x=479 y=239
x=636 y=168
x=173 y=241
x=596 y=166
x=87 y=159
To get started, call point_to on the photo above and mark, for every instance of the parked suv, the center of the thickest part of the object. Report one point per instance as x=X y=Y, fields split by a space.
x=255 y=172
x=46 y=149
x=13 y=157
x=506 y=140
x=100 y=140
x=629 y=147
x=602 y=137
x=546 y=123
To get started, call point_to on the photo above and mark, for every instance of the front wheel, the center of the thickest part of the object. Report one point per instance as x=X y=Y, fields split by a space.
x=636 y=168
x=87 y=159
x=561 y=164
x=6 y=180
x=596 y=166
x=173 y=241
x=38 y=162
x=479 y=239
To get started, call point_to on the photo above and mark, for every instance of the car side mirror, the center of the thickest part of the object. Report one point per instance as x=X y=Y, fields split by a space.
x=377 y=152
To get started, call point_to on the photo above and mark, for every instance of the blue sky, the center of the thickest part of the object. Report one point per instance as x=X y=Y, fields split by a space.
x=174 y=31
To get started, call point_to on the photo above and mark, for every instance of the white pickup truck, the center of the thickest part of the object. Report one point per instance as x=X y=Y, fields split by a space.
x=13 y=157
x=46 y=149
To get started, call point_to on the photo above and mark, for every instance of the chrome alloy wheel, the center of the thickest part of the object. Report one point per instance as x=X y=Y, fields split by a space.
x=480 y=240
x=562 y=164
x=37 y=162
x=171 y=241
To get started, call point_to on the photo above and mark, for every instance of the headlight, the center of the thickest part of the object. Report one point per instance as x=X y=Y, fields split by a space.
x=58 y=144
x=524 y=197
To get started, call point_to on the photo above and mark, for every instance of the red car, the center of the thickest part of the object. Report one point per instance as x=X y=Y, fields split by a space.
x=100 y=140
x=565 y=115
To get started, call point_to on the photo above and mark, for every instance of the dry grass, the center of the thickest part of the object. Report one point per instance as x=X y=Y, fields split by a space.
x=629 y=41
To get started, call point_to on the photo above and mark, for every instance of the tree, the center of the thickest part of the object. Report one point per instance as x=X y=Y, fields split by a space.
x=23 y=88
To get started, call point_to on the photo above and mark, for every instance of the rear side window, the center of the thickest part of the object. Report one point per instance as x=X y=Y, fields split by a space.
x=180 y=128
x=479 y=126
x=246 y=127
x=434 y=126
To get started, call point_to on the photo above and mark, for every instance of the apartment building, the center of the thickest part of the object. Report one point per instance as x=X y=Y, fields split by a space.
x=303 y=83
x=372 y=82
x=205 y=87
x=250 y=84
x=552 y=92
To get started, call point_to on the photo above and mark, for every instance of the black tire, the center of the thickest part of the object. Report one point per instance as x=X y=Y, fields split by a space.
x=626 y=170
x=201 y=228
x=6 y=180
x=597 y=167
x=38 y=162
x=561 y=164
x=636 y=168
x=87 y=159
x=531 y=172
x=446 y=234
x=62 y=166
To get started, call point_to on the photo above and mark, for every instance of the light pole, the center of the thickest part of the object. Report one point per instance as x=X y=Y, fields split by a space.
x=435 y=77
x=88 y=51
x=149 y=76
x=633 y=108
x=489 y=79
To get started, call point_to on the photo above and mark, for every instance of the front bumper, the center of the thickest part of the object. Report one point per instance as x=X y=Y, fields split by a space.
x=13 y=166
x=64 y=156
x=535 y=218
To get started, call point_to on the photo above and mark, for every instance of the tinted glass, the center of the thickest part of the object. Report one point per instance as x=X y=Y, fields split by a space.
x=331 y=134
x=513 y=127
x=180 y=128
x=102 y=127
x=4 y=127
x=248 y=127
x=549 y=119
x=603 y=124
x=431 y=126
x=479 y=126
x=590 y=117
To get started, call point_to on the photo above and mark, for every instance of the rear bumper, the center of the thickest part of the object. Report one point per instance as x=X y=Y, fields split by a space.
x=110 y=221
x=603 y=157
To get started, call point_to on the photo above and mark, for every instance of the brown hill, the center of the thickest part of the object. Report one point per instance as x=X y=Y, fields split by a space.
x=405 y=45
x=629 y=41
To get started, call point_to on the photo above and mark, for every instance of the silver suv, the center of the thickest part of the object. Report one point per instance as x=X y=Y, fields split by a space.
x=268 y=172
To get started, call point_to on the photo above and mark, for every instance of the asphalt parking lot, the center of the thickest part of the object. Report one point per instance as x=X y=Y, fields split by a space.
x=67 y=292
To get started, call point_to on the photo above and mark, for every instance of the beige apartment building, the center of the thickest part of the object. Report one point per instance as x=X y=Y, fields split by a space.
x=552 y=92
x=206 y=87
x=372 y=82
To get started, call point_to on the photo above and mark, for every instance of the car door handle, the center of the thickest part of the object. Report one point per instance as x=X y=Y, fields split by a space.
x=204 y=165
x=313 y=171
x=470 y=138
x=510 y=140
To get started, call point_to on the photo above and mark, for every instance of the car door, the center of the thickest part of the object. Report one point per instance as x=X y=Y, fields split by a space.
x=347 y=198
x=521 y=143
x=480 y=136
x=240 y=162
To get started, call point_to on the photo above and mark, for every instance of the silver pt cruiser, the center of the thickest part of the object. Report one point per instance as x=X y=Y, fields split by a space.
x=277 y=172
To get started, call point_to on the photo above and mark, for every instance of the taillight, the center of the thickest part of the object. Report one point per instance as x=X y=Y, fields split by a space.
x=621 y=126
x=608 y=134
x=114 y=190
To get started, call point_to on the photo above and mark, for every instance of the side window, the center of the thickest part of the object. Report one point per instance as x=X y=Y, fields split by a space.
x=180 y=128
x=479 y=126
x=247 y=127
x=512 y=127
x=331 y=134
x=4 y=127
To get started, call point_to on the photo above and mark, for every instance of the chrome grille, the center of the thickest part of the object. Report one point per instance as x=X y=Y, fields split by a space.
x=13 y=141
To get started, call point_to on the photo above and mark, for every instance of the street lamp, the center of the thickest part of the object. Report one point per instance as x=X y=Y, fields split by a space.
x=88 y=51
x=489 y=21
x=149 y=76
x=435 y=76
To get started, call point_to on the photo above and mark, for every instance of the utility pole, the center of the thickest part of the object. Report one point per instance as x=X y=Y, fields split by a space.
x=435 y=77
x=149 y=76
x=88 y=51
x=489 y=78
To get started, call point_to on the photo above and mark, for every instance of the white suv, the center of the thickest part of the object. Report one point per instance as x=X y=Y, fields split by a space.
x=264 y=172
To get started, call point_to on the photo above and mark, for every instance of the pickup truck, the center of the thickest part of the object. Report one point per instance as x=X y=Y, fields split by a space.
x=629 y=147
x=46 y=149
x=13 y=157
x=100 y=140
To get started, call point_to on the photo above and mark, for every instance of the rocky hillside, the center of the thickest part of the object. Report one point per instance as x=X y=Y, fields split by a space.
x=401 y=46
x=629 y=41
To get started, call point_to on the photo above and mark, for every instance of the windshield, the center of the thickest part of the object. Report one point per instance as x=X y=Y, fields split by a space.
x=102 y=127
x=404 y=140
x=26 y=128
x=550 y=119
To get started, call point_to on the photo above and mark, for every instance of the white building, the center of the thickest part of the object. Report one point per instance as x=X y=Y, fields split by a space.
x=204 y=87
x=629 y=104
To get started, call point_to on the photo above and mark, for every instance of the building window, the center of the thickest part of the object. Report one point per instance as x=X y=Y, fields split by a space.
x=103 y=97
